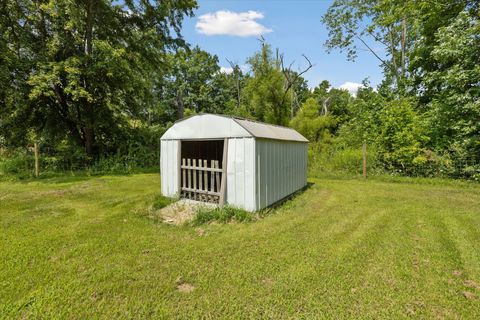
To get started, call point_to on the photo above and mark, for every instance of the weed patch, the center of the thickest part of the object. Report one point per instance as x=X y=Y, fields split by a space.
x=222 y=215
x=160 y=202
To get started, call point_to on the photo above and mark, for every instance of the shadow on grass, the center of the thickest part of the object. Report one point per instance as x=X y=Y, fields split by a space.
x=281 y=202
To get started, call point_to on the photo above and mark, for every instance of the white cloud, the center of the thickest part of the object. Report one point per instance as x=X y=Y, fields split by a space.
x=229 y=70
x=351 y=87
x=241 y=24
x=226 y=70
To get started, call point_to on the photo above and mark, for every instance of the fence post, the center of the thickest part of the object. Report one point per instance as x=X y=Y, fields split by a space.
x=364 y=154
x=37 y=162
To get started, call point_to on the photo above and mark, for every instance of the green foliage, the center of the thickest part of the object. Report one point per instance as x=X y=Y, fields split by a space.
x=333 y=102
x=431 y=59
x=190 y=83
x=364 y=123
x=454 y=114
x=265 y=92
x=19 y=163
x=222 y=215
x=338 y=158
x=83 y=71
x=96 y=83
x=311 y=124
x=401 y=135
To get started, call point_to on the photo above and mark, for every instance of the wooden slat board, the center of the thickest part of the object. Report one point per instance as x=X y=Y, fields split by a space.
x=189 y=178
x=205 y=176
x=200 y=177
x=184 y=177
x=217 y=176
x=201 y=168
x=194 y=172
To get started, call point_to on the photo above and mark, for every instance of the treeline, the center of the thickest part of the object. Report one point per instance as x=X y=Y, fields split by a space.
x=96 y=83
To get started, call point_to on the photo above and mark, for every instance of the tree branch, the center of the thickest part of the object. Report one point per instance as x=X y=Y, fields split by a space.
x=371 y=50
x=286 y=72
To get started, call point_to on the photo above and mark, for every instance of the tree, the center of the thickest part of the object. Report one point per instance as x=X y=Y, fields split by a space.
x=311 y=124
x=271 y=91
x=401 y=139
x=404 y=29
x=454 y=110
x=82 y=70
x=334 y=102
x=189 y=82
x=364 y=124
x=265 y=93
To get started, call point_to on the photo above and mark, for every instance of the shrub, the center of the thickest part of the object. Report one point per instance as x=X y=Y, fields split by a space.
x=336 y=158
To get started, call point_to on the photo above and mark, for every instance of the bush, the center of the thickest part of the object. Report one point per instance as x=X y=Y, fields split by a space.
x=222 y=215
x=336 y=159
x=16 y=163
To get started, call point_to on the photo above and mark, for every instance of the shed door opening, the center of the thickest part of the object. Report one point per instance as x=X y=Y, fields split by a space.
x=201 y=170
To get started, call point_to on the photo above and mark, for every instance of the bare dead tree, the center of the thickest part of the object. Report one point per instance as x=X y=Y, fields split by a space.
x=287 y=72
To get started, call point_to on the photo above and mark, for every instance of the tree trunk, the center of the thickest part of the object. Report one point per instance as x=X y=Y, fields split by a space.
x=179 y=103
x=89 y=27
x=394 y=60
x=89 y=132
x=404 y=32
x=37 y=159
x=63 y=111
x=238 y=92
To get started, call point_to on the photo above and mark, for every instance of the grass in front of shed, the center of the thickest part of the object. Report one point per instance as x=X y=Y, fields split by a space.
x=84 y=247
x=222 y=215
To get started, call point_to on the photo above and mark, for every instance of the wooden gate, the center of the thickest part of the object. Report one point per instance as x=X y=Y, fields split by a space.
x=201 y=182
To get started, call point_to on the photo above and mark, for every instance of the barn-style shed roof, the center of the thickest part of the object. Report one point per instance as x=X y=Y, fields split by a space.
x=214 y=126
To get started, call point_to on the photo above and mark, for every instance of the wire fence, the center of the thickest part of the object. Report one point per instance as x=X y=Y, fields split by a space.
x=345 y=161
x=370 y=163
x=22 y=163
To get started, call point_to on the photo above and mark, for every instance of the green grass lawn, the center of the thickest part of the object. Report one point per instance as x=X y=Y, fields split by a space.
x=84 y=247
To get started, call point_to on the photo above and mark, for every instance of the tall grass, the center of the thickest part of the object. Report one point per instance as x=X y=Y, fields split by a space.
x=341 y=160
x=337 y=160
x=223 y=215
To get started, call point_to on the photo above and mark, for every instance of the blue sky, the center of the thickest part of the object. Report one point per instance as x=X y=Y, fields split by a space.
x=292 y=26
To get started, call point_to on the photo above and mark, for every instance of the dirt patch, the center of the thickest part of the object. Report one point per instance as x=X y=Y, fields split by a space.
x=200 y=232
x=181 y=211
x=457 y=273
x=4 y=195
x=472 y=284
x=185 y=288
x=55 y=193
x=268 y=282
x=468 y=295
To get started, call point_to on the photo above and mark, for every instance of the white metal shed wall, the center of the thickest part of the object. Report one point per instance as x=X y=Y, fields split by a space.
x=281 y=169
x=241 y=173
x=169 y=167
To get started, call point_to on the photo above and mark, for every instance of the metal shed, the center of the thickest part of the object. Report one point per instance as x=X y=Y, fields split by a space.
x=234 y=161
